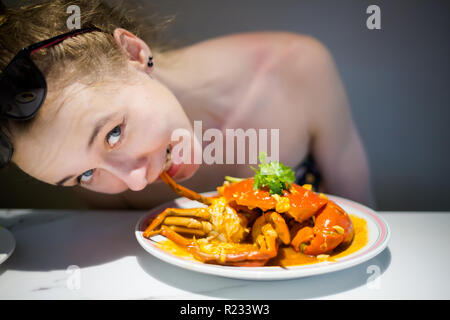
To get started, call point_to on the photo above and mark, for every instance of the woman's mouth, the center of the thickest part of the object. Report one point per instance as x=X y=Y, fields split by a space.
x=170 y=167
x=168 y=162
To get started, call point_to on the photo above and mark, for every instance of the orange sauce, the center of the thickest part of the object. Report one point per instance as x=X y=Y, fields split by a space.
x=172 y=248
x=289 y=257
x=286 y=255
x=360 y=239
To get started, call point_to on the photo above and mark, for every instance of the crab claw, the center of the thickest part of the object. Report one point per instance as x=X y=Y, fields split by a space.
x=332 y=228
x=278 y=224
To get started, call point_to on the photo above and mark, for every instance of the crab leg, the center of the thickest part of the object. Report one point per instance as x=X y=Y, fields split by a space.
x=226 y=253
x=180 y=217
x=182 y=191
x=175 y=237
x=236 y=254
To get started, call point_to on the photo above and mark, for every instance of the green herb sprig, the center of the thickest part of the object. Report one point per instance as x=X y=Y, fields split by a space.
x=273 y=175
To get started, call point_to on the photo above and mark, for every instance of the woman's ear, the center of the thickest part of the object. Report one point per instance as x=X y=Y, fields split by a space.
x=134 y=48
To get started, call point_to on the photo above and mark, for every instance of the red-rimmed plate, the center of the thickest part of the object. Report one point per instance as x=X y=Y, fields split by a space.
x=378 y=234
x=7 y=244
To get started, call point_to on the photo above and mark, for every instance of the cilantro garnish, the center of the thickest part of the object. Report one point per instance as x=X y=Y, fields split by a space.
x=273 y=175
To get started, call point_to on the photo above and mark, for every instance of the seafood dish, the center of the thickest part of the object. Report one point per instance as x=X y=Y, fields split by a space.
x=250 y=221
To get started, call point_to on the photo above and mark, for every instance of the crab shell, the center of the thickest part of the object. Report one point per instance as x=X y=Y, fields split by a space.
x=332 y=225
x=299 y=202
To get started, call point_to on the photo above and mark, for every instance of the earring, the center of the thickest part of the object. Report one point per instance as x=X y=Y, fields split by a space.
x=150 y=62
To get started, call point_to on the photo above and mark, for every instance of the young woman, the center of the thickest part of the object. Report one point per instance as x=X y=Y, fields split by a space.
x=115 y=96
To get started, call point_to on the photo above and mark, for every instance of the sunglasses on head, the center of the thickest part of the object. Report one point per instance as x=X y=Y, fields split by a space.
x=23 y=87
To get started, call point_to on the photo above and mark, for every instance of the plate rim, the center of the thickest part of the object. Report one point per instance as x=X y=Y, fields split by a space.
x=10 y=249
x=271 y=272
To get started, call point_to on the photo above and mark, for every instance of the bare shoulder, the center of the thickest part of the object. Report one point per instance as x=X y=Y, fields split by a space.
x=250 y=43
x=247 y=52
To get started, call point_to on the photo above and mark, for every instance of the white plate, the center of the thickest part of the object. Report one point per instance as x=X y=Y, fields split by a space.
x=378 y=237
x=7 y=244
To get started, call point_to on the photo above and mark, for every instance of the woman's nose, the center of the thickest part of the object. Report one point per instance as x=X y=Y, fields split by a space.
x=132 y=172
x=137 y=179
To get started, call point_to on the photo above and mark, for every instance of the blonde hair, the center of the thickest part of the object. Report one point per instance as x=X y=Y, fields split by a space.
x=89 y=57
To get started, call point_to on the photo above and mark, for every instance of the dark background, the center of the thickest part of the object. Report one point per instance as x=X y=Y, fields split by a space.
x=397 y=81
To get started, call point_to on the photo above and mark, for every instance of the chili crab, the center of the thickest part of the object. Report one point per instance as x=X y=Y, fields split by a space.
x=244 y=226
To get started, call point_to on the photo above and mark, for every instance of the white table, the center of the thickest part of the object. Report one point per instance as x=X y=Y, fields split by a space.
x=95 y=255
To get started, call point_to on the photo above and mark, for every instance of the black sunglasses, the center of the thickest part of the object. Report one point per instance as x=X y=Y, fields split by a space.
x=23 y=87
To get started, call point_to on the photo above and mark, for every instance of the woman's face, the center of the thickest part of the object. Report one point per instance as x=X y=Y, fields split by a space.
x=107 y=138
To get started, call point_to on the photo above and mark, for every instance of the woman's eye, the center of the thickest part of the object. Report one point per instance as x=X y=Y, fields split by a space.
x=114 y=136
x=86 y=177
